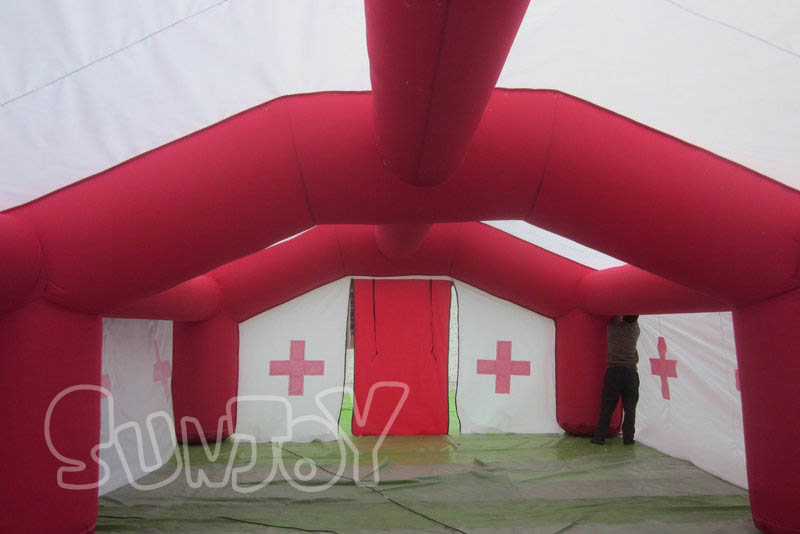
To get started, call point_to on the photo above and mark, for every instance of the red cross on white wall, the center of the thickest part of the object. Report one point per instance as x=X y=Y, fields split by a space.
x=503 y=367
x=663 y=367
x=162 y=371
x=297 y=367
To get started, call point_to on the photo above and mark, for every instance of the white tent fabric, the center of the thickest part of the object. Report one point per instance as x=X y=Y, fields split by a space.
x=95 y=85
x=87 y=86
x=701 y=420
x=137 y=422
x=721 y=75
x=291 y=367
x=506 y=370
x=555 y=243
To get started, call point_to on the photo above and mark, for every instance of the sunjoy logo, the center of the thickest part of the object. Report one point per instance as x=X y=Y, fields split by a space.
x=301 y=476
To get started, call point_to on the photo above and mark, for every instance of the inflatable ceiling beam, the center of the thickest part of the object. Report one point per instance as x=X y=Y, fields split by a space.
x=268 y=173
x=471 y=252
x=433 y=66
x=225 y=192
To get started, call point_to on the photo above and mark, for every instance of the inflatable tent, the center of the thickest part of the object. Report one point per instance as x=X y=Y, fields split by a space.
x=153 y=152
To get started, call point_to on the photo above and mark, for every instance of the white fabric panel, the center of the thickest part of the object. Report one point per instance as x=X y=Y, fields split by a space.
x=529 y=405
x=195 y=64
x=702 y=419
x=660 y=64
x=555 y=243
x=772 y=21
x=268 y=409
x=45 y=40
x=137 y=369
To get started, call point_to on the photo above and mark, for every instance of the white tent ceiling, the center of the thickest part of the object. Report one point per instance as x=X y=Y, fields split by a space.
x=86 y=84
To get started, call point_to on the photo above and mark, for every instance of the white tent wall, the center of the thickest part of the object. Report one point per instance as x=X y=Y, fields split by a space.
x=137 y=365
x=517 y=396
x=312 y=328
x=701 y=421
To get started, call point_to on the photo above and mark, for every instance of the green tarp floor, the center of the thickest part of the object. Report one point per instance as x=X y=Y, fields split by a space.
x=495 y=483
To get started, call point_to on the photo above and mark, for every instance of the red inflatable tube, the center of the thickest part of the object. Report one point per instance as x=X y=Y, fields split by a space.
x=194 y=300
x=668 y=207
x=433 y=66
x=629 y=290
x=21 y=276
x=50 y=361
x=400 y=240
x=478 y=254
x=138 y=228
x=205 y=362
x=275 y=275
x=646 y=198
x=580 y=368
x=767 y=341
x=347 y=182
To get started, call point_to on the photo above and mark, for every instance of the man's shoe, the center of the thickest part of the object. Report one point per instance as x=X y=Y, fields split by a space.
x=597 y=441
x=628 y=441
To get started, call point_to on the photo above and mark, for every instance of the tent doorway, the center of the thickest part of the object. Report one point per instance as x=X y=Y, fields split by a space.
x=401 y=343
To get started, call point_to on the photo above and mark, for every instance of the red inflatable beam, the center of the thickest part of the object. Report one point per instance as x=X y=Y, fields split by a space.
x=433 y=66
x=478 y=254
x=194 y=300
x=400 y=240
x=21 y=276
x=629 y=290
x=668 y=207
x=141 y=227
x=475 y=253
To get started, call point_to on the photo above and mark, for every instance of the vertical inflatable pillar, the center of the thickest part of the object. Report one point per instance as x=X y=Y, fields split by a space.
x=205 y=361
x=768 y=352
x=580 y=368
x=49 y=480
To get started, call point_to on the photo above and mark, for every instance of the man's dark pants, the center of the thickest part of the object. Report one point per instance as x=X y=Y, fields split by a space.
x=624 y=382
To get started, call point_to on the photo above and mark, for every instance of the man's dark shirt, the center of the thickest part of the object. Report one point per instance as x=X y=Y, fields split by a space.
x=622 y=338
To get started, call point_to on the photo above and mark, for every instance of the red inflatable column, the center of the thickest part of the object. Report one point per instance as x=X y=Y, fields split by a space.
x=45 y=351
x=580 y=368
x=205 y=362
x=768 y=351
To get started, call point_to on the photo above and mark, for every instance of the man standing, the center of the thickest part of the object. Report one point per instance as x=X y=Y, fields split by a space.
x=621 y=378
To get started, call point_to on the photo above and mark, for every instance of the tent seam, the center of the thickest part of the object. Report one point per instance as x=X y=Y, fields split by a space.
x=339 y=248
x=111 y=54
x=732 y=27
x=546 y=165
x=426 y=126
x=299 y=167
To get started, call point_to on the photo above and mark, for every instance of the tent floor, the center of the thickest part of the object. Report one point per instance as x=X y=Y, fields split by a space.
x=496 y=483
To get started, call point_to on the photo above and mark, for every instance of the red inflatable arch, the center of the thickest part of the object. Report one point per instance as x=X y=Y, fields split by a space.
x=391 y=181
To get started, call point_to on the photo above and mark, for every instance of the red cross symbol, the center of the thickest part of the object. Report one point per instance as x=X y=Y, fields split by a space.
x=503 y=367
x=296 y=366
x=162 y=371
x=663 y=367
